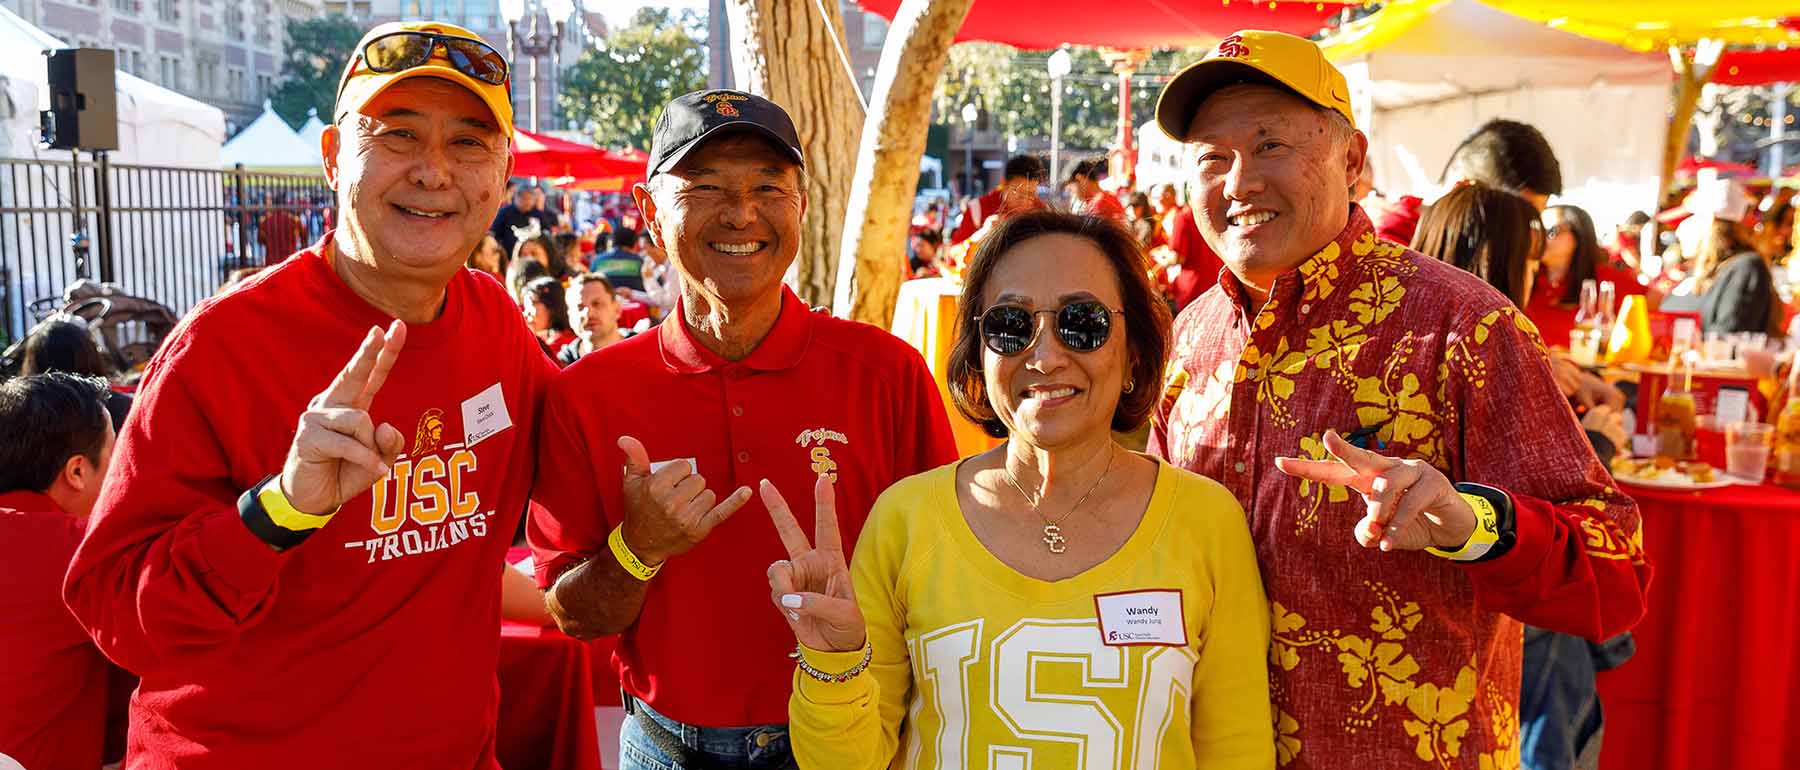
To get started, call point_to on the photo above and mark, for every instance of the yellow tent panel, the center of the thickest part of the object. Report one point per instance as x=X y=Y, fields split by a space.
x=1650 y=25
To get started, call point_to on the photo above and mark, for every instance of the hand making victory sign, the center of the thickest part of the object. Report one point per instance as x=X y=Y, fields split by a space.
x=670 y=510
x=338 y=452
x=1411 y=505
x=811 y=587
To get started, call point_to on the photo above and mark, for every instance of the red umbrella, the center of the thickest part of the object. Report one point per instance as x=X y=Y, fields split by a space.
x=1038 y=24
x=540 y=155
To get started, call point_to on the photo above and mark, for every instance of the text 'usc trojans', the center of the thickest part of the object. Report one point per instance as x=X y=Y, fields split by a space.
x=424 y=505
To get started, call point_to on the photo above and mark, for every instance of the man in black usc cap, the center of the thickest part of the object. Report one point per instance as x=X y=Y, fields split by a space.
x=743 y=384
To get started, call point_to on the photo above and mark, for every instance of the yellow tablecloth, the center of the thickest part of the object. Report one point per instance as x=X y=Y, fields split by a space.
x=925 y=316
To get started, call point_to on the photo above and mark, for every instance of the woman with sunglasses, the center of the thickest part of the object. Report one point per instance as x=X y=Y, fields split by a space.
x=1057 y=598
x=1572 y=254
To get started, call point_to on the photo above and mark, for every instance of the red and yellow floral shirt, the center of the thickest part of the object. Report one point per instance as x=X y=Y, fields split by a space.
x=1403 y=659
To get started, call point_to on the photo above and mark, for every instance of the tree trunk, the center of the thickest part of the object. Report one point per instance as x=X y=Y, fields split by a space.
x=790 y=52
x=1693 y=69
x=887 y=167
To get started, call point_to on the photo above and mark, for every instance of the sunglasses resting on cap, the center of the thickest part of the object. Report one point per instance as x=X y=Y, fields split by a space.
x=395 y=51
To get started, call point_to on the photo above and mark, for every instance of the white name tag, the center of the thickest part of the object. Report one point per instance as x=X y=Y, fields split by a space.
x=1141 y=617
x=693 y=467
x=484 y=415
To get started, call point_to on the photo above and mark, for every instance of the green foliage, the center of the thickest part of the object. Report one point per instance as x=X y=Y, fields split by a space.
x=615 y=91
x=316 y=52
x=1013 y=88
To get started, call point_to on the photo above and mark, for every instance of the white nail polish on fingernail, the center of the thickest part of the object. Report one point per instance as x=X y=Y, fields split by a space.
x=791 y=600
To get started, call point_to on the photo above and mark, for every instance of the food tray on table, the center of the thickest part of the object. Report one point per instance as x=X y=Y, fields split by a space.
x=1665 y=473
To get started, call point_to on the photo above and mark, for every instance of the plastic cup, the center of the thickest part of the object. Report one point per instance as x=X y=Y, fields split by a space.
x=1747 y=450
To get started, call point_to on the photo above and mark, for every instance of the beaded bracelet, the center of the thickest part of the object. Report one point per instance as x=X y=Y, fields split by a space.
x=868 y=654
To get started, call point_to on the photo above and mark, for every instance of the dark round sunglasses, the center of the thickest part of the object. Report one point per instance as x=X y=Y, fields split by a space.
x=1082 y=326
x=405 y=50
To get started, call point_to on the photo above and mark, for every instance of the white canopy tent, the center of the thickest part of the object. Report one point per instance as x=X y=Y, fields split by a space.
x=1603 y=108
x=312 y=129
x=157 y=127
x=268 y=142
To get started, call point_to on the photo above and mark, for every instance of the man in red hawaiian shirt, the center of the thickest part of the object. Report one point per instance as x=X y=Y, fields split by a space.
x=1433 y=488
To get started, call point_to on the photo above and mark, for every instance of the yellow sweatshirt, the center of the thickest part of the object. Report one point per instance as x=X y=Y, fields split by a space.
x=976 y=666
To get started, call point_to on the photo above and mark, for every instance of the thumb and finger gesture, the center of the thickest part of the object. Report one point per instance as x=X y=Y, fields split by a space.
x=811 y=587
x=338 y=452
x=669 y=510
x=1411 y=505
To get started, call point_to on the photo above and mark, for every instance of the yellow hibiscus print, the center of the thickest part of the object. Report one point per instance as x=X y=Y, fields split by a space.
x=1402 y=409
x=1274 y=376
x=1376 y=298
x=1320 y=273
x=1334 y=346
x=1290 y=635
x=1439 y=722
x=1394 y=625
x=1287 y=738
x=1316 y=494
x=1383 y=667
x=1504 y=727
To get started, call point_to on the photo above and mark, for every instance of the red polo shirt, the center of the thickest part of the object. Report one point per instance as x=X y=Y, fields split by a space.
x=818 y=395
x=53 y=680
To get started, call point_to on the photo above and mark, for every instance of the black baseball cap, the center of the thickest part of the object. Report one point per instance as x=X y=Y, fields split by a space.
x=692 y=118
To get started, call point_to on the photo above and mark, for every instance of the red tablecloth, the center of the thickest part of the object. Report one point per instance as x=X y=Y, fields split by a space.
x=1716 y=678
x=546 y=701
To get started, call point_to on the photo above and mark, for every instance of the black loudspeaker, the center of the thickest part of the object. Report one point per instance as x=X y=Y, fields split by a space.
x=83 y=112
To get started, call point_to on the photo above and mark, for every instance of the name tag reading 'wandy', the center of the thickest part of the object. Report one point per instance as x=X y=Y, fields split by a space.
x=1141 y=617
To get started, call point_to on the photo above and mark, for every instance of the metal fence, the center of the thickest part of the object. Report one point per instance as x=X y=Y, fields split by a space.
x=168 y=234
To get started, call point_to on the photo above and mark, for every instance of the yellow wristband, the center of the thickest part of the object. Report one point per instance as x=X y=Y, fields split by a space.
x=627 y=559
x=283 y=513
x=1486 y=534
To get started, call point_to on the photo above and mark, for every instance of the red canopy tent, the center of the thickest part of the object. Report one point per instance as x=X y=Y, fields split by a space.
x=1038 y=24
x=1755 y=68
x=540 y=155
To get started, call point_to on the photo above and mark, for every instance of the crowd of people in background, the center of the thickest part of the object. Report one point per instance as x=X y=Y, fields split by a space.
x=1721 y=253
x=581 y=282
x=1363 y=475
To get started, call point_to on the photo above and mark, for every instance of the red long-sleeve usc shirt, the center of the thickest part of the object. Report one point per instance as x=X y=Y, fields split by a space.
x=373 y=643
x=53 y=683
x=818 y=395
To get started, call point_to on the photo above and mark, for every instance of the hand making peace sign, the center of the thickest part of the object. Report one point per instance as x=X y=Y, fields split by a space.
x=1411 y=505
x=338 y=451
x=812 y=587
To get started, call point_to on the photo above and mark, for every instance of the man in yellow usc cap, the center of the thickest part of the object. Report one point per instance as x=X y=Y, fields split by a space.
x=299 y=545
x=1444 y=490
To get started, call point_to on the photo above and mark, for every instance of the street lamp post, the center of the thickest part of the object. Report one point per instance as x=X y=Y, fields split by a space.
x=1059 y=65
x=969 y=114
x=535 y=42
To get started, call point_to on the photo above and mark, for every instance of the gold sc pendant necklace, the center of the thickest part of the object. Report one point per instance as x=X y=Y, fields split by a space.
x=1053 y=537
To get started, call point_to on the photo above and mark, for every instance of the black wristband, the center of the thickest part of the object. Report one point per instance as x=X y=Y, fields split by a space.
x=1503 y=508
x=258 y=522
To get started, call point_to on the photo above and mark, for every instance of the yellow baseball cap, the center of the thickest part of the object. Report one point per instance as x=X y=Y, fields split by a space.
x=408 y=49
x=1253 y=56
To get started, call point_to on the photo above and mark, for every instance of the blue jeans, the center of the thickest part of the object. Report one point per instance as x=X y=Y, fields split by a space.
x=1559 y=710
x=741 y=748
